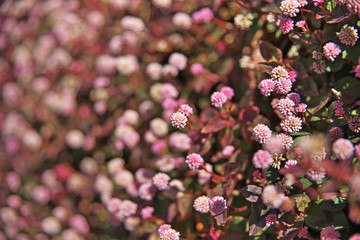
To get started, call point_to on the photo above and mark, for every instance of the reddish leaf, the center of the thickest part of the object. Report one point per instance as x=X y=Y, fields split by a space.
x=171 y=213
x=251 y=193
x=269 y=51
x=247 y=115
x=213 y=233
x=217 y=124
x=184 y=206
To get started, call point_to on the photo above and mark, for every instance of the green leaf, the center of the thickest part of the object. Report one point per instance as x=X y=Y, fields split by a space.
x=270 y=52
x=349 y=88
x=318 y=218
x=330 y=32
x=306 y=86
x=302 y=202
x=331 y=206
x=318 y=103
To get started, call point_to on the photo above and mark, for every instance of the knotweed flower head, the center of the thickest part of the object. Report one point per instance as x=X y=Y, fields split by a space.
x=293 y=75
x=301 y=108
x=285 y=107
x=178 y=120
x=266 y=87
x=203 y=15
x=283 y=85
x=317 y=174
x=179 y=141
x=354 y=123
x=348 y=35
x=290 y=163
x=182 y=20
x=319 y=66
x=290 y=8
x=286 y=25
x=167 y=90
x=163 y=227
x=343 y=149
x=194 y=161
x=279 y=72
x=295 y=97
x=153 y=70
x=218 y=99
x=286 y=140
x=196 y=69
x=185 y=109
x=162 y=3
x=170 y=234
x=244 y=22
x=262 y=159
x=201 y=204
x=146 y=191
x=329 y=233
x=291 y=124
x=178 y=60
x=217 y=205
x=273 y=196
x=143 y=175
x=335 y=133
x=228 y=150
x=228 y=91
x=147 y=212
x=331 y=51
x=261 y=133
x=132 y=23
x=161 y=181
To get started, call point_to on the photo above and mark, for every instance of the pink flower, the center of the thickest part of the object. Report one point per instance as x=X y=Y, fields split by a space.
x=204 y=15
x=161 y=181
x=194 y=161
x=317 y=2
x=290 y=8
x=127 y=208
x=196 y=69
x=266 y=87
x=218 y=99
x=286 y=25
x=283 y=85
x=261 y=133
x=301 y=24
x=201 y=204
x=357 y=71
x=301 y=108
x=343 y=149
x=291 y=124
x=329 y=233
x=331 y=51
x=217 y=205
x=185 y=109
x=80 y=224
x=262 y=159
x=273 y=196
x=178 y=60
x=163 y=227
x=292 y=75
x=147 y=212
x=178 y=120
x=228 y=150
x=285 y=107
x=228 y=91
x=295 y=97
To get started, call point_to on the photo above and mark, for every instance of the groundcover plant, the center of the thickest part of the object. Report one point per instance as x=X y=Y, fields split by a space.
x=179 y=119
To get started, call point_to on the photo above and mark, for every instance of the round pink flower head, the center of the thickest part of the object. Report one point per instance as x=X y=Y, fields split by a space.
x=218 y=99
x=178 y=60
x=196 y=69
x=295 y=97
x=185 y=109
x=329 y=233
x=290 y=8
x=201 y=204
x=262 y=159
x=170 y=234
x=147 y=212
x=127 y=208
x=279 y=72
x=285 y=107
x=343 y=149
x=178 y=120
x=291 y=124
x=348 y=35
x=161 y=181
x=228 y=150
x=163 y=227
x=290 y=163
x=266 y=87
x=331 y=51
x=261 y=133
x=335 y=133
x=356 y=236
x=283 y=85
x=273 y=196
x=217 y=205
x=286 y=140
x=194 y=161
x=286 y=25
x=228 y=91
x=293 y=75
